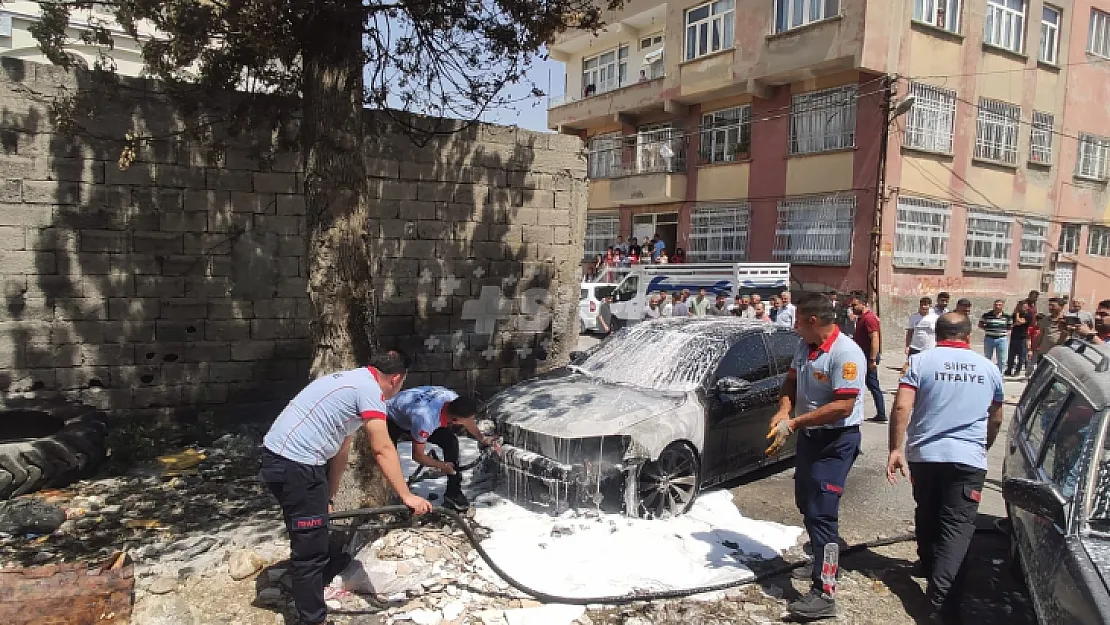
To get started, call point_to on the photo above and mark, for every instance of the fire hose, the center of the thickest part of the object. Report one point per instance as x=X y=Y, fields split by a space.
x=363 y=515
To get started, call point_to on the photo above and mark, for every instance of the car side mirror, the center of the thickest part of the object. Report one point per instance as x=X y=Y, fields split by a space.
x=1036 y=497
x=729 y=385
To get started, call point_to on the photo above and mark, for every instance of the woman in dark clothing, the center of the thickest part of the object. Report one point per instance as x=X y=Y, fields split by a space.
x=679 y=256
x=1019 y=339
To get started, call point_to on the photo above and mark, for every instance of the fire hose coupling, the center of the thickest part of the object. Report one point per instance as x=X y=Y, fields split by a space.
x=364 y=515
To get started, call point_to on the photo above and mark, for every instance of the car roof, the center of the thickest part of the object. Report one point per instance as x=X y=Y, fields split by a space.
x=719 y=327
x=1085 y=364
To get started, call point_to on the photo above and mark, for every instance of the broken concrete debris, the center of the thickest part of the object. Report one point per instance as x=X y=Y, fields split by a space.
x=29 y=516
x=243 y=563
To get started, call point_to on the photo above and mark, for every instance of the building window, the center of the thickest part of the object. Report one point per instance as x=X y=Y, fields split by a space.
x=605 y=72
x=815 y=230
x=931 y=123
x=988 y=242
x=1005 y=24
x=1098 y=241
x=604 y=156
x=1040 y=138
x=659 y=148
x=921 y=233
x=997 y=137
x=718 y=233
x=943 y=14
x=709 y=28
x=726 y=135
x=601 y=232
x=823 y=120
x=1069 y=238
x=1050 y=34
x=1034 y=237
x=1092 y=157
x=794 y=13
x=1098 y=39
x=650 y=42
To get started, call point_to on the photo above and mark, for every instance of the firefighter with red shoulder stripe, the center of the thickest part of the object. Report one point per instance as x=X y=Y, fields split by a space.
x=305 y=453
x=821 y=400
x=949 y=403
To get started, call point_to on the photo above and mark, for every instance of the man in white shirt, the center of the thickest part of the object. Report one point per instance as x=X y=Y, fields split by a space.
x=921 y=328
x=787 y=312
x=652 y=310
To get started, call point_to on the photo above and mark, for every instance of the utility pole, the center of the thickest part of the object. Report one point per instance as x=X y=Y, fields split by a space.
x=889 y=116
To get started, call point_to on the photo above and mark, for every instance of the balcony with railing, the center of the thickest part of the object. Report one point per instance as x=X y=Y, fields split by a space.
x=597 y=102
x=652 y=168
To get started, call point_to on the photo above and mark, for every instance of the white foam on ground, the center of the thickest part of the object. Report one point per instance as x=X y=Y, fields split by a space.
x=610 y=554
x=614 y=555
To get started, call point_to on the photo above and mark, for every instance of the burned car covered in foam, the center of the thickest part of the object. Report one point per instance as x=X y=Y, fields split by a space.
x=647 y=418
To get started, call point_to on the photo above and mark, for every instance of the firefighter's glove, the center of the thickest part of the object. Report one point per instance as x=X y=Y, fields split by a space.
x=780 y=431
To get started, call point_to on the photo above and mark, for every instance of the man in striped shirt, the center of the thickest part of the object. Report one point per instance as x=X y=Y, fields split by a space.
x=996 y=325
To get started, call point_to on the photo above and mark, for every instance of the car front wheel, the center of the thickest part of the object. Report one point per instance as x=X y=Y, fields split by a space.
x=664 y=487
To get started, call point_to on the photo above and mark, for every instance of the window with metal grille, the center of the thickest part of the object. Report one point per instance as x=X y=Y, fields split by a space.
x=1005 y=25
x=1050 y=34
x=988 y=242
x=601 y=232
x=1098 y=37
x=940 y=13
x=658 y=148
x=815 y=230
x=1040 y=138
x=823 y=120
x=1034 y=237
x=709 y=28
x=1069 y=238
x=1092 y=157
x=1098 y=241
x=921 y=233
x=604 y=156
x=931 y=124
x=794 y=13
x=719 y=233
x=997 y=135
x=726 y=135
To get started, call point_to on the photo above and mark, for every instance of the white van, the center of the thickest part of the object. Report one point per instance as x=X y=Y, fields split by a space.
x=732 y=279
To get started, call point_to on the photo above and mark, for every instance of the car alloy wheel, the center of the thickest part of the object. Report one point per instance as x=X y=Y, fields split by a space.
x=666 y=487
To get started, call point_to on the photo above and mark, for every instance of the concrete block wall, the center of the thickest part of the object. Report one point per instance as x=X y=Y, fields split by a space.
x=177 y=283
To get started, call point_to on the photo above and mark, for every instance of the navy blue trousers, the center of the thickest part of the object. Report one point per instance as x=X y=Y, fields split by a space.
x=824 y=458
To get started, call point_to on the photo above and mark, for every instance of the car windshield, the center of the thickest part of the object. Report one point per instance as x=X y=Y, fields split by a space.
x=657 y=355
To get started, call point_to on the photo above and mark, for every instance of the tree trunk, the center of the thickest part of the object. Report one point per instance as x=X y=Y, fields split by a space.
x=339 y=271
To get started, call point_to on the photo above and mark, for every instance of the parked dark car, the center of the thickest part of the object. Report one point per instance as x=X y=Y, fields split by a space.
x=1056 y=483
x=647 y=418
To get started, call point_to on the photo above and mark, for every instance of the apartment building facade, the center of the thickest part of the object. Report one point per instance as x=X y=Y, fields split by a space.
x=754 y=130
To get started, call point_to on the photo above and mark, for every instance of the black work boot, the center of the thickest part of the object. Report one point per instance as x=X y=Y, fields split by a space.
x=454 y=497
x=813 y=606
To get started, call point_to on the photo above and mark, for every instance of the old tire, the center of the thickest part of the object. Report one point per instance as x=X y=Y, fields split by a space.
x=667 y=486
x=60 y=449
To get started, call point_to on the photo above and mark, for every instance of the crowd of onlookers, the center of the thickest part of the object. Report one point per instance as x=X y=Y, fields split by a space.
x=1015 y=337
x=620 y=257
x=682 y=303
